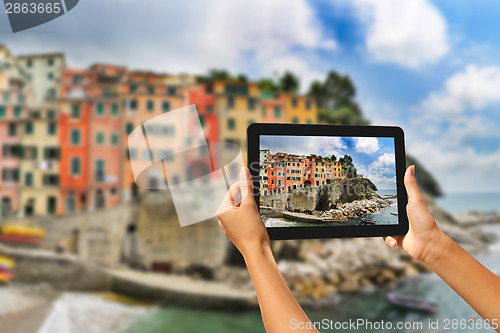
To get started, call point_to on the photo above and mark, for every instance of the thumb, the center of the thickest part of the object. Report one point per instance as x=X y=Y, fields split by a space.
x=411 y=185
x=245 y=182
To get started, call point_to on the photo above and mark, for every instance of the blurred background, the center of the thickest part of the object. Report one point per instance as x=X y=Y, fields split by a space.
x=84 y=249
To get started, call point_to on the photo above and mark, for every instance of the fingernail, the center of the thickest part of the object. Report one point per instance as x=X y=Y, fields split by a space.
x=392 y=243
x=412 y=170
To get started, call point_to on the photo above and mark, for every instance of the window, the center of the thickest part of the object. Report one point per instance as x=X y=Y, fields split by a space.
x=230 y=102
x=100 y=109
x=51 y=153
x=20 y=98
x=231 y=123
x=17 y=111
x=10 y=150
x=50 y=180
x=12 y=129
x=52 y=128
x=114 y=139
x=28 y=179
x=150 y=105
x=129 y=127
x=75 y=166
x=50 y=76
x=75 y=137
x=51 y=115
x=210 y=108
x=172 y=90
x=6 y=97
x=100 y=171
x=236 y=89
x=99 y=138
x=50 y=61
x=114 y=109
x=29 y=152
x=29 y=63
x=2 y=111
x=251 y=104
x=151 y=90
x=277 y=112
x=28 y=128
x=166 y=106
x=133 y=104
x=295 y=120
x=294 y=102
x=209 y=89
x=75 y=111
x=309 y=121
x=308 y=104
x=10 y=175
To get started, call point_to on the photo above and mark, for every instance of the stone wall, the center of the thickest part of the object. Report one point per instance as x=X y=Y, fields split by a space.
x=61 y=271
x=308 y=198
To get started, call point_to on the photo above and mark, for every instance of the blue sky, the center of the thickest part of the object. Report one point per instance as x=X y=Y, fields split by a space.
x=373 y=157
x=431 y=67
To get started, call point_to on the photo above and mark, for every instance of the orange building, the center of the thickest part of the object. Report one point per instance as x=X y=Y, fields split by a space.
x=273 y=108
x=74 y=109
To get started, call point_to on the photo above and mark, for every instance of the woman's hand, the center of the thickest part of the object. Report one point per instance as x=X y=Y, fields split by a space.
x=424 y=239
x=240 y=219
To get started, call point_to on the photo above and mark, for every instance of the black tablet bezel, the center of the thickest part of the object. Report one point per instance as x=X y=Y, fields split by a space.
x=254 y=131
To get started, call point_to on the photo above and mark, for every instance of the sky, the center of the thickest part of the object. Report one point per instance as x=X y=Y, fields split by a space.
x=431 y=67
x=373 y=157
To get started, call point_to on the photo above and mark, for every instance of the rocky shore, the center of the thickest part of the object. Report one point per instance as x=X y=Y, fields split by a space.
x=475 y=218
x=341 y=213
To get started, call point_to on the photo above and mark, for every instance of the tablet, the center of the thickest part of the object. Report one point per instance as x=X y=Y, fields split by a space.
x=328 y=181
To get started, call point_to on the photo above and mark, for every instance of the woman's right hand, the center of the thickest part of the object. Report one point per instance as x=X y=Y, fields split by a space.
x=424 y=240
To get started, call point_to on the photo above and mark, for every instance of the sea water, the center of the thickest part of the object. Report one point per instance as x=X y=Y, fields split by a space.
x=372 y=307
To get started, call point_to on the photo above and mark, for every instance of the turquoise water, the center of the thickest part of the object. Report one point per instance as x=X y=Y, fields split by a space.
x=371 y=307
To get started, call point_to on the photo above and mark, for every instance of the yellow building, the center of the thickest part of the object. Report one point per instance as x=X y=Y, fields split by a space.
x=40 y=152
x=300 y=109
x=39 y=169
x=237 y=105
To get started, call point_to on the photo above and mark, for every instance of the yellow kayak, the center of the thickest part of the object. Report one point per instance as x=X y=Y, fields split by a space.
x=17 y=230
x=6 y=262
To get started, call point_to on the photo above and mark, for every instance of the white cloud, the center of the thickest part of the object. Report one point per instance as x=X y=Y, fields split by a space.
x=367 y=145
x=189 y=36
x=472 y=89
x=384 y=160
x=410 y=33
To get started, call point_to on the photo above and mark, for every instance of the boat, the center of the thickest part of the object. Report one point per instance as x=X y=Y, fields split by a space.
x=411 y=303
x=394 y=213
x=24 y=231
x=6 y=262
x=366 y=220
x=6 y=277
x=20 y=239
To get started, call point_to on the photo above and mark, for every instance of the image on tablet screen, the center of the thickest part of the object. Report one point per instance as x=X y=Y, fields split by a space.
x=327 y=180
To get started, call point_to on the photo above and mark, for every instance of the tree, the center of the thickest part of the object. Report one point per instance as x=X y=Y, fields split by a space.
x=290 y=82
x=342 y=116
x=216 y=74
x=346 y=161
x=333 y=158
x=242 y=78
x=269 y=85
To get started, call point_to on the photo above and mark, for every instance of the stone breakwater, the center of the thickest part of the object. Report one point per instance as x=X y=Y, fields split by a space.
x=342 y=265
x=342 y=212
x=355 y=209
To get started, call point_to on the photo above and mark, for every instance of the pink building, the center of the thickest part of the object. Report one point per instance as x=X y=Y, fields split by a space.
x=273 y=108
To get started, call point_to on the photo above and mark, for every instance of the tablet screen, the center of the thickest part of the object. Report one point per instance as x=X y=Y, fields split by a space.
x=327 y=181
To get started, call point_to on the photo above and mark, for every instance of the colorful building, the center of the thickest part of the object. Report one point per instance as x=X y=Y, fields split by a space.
x=238 y=105
x=14 y=92
x=75 y=102
x=273 y=108
x=300 y=109
x=39 y=169
x=144 y=96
